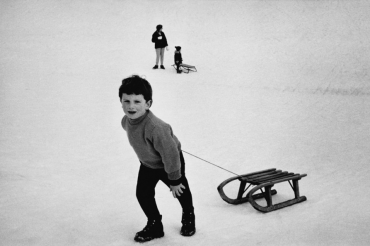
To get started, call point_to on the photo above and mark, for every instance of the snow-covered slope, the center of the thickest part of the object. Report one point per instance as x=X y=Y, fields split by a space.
x=279 y=84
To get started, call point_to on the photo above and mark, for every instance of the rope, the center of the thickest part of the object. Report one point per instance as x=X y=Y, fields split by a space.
x=210 y=163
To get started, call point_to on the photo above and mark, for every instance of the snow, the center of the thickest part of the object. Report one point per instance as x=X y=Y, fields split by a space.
x=279 y=84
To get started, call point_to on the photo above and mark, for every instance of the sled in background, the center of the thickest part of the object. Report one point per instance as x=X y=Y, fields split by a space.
x=265 y=179
x=186 y=68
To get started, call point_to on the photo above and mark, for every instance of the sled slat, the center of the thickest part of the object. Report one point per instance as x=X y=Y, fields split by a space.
x=259 y=175
x=274 y=177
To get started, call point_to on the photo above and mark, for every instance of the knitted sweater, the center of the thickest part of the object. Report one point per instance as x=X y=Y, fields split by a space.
x=154 y=143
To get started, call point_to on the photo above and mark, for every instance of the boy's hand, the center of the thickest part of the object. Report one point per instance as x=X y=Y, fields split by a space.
x=177 y=190
x=167 y=48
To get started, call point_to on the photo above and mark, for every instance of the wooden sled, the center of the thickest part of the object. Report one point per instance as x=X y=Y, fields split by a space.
x=265 y=179
x=186 y=68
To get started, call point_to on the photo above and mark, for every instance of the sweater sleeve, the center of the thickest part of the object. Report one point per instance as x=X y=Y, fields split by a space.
x=153 y=38
x=164 y=143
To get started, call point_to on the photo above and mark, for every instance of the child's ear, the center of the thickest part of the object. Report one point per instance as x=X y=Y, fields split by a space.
x=149 y=103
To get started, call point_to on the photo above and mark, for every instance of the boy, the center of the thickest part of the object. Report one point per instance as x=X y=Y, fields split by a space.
x=178 y=58
x=160 y=155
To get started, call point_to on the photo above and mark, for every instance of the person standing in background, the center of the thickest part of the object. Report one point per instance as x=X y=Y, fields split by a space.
x=160 y=41
x=178 y=58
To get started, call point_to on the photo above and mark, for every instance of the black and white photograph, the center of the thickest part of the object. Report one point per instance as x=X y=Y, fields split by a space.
x=184 y=122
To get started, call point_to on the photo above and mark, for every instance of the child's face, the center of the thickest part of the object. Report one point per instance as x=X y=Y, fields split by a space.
x=134 y=106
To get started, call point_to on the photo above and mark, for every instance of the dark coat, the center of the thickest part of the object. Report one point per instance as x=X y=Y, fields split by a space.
x=178 y=57
x=159 y=40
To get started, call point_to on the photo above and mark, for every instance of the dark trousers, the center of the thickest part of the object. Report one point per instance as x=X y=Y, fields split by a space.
x=145 y=190
x=178 y=63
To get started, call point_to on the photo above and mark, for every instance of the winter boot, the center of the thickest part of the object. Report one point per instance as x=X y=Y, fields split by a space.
x=152 y=230
x=188 y=224
x=155 y=67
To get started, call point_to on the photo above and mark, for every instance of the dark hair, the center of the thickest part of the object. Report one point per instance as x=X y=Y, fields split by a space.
x=136 y=85
x=159 y=27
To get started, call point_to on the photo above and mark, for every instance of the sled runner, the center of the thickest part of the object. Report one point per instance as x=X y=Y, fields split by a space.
x=186 y=68
x=265 y=179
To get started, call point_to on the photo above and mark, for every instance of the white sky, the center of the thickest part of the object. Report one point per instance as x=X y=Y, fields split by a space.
x=279 y=84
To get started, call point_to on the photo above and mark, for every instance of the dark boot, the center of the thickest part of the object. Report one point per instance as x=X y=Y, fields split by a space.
x=188 y=224
x=155 y=67
x=152 y=230
x=162 y=67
